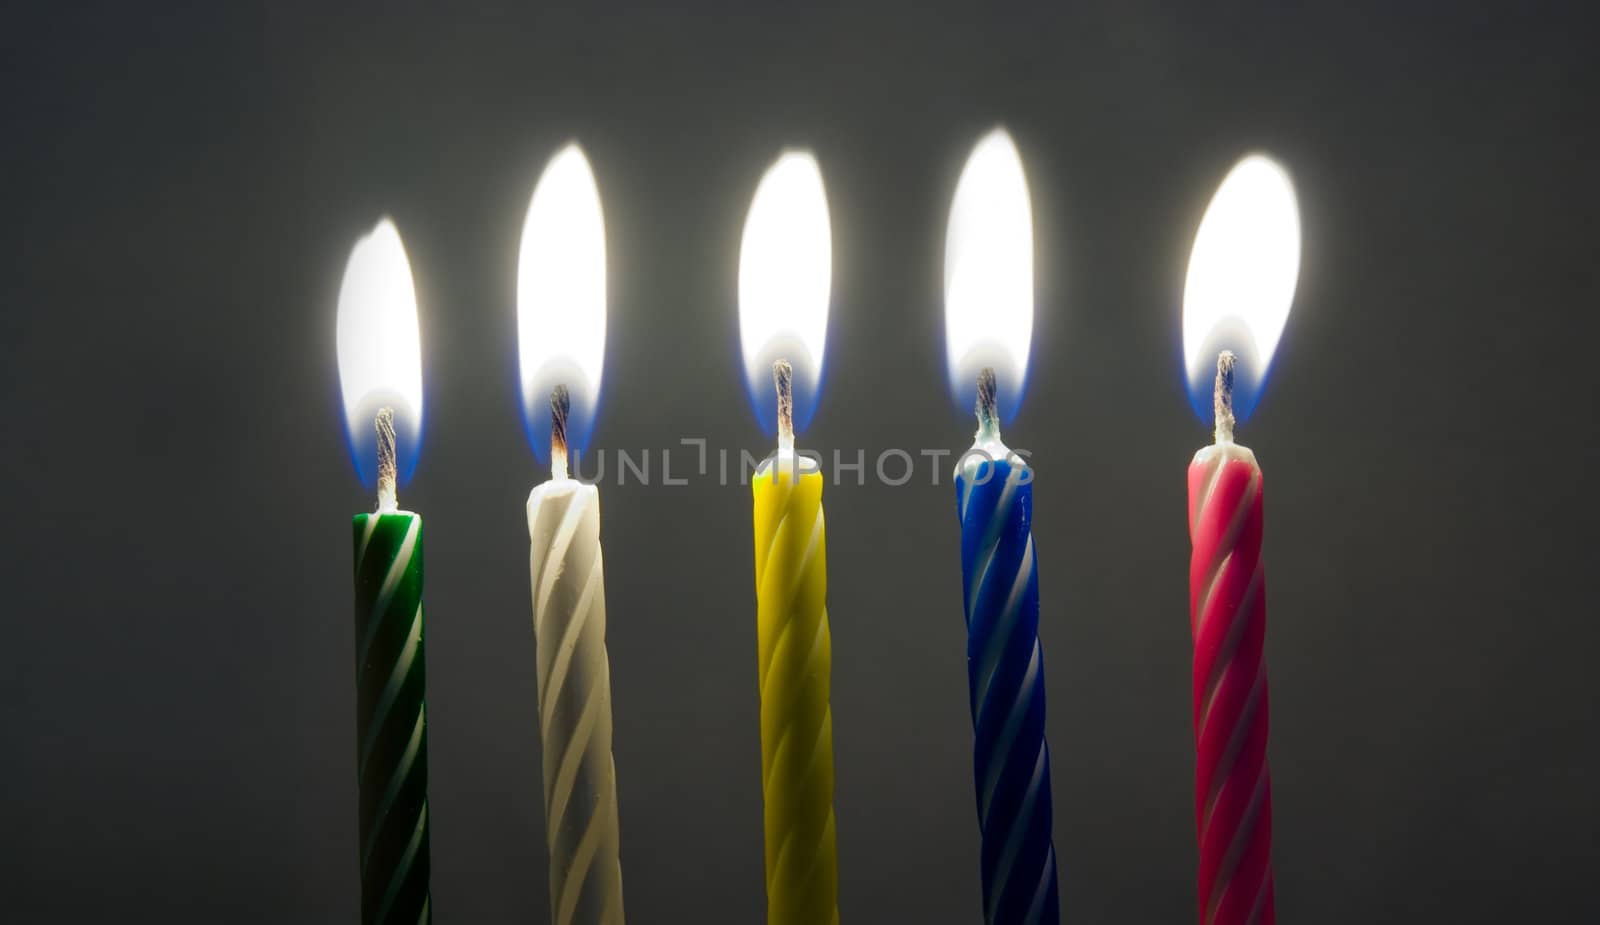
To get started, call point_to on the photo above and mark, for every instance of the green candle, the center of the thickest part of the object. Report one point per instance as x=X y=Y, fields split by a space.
x=391 y=719
x=380 y=374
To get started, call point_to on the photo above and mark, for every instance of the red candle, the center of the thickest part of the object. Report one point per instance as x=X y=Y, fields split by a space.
x=1241 y=282
x=1228 y=618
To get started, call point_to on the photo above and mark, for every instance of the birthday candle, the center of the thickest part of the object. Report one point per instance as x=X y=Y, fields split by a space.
x=1005 y=676
x=784 y=279
x=1228 y=619
x=569 y=621
x=988 y=323
x=392 y=724
x=380 y=365
x=795 y=659
x=561 y=321
x=1237 y=295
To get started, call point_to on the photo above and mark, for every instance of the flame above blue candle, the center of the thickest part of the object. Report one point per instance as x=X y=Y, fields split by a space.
x=988 y=275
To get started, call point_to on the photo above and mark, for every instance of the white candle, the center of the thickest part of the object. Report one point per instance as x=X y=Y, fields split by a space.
x=569 y=625
x=561 y=322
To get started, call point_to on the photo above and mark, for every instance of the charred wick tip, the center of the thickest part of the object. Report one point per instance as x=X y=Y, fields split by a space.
x=783 y=380
x=560 y=407
x=988 y=403
x=384 y=421
x=1225 y=361
x=1222 y=396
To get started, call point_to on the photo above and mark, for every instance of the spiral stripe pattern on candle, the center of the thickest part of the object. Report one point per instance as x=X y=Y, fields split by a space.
x=580 y=790
x=391 y=720
x=1005 y=671
x=1233 y=790
x=795 y=667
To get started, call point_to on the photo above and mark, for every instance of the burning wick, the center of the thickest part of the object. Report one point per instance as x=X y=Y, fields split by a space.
x=988 y=407
x=783 y=380
x=560 y=405
x=384 y=421
x=1222 y=397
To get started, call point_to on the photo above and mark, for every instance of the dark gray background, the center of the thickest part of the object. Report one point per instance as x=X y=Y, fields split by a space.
x=182 y=185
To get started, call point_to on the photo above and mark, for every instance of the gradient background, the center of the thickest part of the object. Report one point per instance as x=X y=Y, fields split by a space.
x=181 y=188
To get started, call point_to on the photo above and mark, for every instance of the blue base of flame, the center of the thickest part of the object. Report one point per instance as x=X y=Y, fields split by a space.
x=580 y=419
x=361 y=436
x=807 y=385
x=1005 y=674
x=1249 y=372
x=1011 y=386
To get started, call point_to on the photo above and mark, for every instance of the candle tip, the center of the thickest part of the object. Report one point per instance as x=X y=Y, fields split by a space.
x=386 y=460
x=1222 y=397
x=560 y=407
x=783 y=380
x=988 y=406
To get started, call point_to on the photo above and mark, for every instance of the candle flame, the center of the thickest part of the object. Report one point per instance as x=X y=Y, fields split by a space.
x=1241 y=282
x=785 y=276
x=988 y=274
x=561 y=299
x=380 y=351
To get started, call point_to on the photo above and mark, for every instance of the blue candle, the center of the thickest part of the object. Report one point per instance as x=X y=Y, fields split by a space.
x=1005 y=674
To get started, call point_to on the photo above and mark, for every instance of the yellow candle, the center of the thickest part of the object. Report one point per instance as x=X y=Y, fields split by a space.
x=796 y=656
x=785 y=263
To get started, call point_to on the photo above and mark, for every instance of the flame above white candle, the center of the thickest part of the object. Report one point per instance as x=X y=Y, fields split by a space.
x=785 y=278
x=988 y=274
x=561 y=298
x=1241 y=282
x=380 y=350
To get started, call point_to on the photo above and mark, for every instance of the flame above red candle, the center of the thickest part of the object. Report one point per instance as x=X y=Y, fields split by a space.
x=1241 y=281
